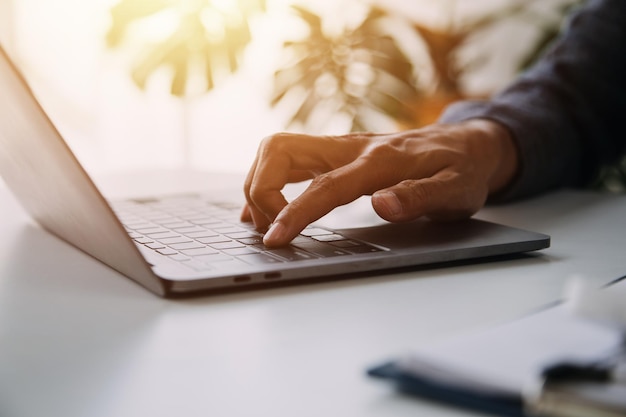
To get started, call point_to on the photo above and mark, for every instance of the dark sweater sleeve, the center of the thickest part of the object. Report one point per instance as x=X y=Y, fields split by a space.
x=567 y=114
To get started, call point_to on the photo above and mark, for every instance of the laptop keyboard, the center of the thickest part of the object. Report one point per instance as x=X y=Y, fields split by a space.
x=205 y=235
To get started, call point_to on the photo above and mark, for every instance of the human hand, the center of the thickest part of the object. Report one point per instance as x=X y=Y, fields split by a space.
x=444 y=172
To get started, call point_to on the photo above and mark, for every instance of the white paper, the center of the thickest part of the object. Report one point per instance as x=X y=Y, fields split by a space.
x=507 y=358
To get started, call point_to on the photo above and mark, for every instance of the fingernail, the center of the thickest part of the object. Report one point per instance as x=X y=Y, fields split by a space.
x=389 y=202
x=275 y=233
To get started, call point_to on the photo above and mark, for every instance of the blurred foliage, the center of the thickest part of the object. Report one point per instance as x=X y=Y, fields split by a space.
x=360 y=71
x=209 y=35
x=365 y=69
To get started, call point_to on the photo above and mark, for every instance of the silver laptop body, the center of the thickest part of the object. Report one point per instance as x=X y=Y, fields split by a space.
x=188 y=244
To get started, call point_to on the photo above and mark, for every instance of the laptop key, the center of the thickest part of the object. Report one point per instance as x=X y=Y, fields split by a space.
x=198 y=251
x=329 y=238
x=190 y=229
x=152 y=257
x=155 y=245
x=291 y=254
x=315 y=231
x=228 y=229
x=252 y=241
x=150 y=230
x=213 y=239
x=167 y=251
x=301 y=239
x=322 y=249
x=242 y=235
x=205 y=221
x=139 y=227
x=177 y=225
x=227 y=245
x=200 y=234
x=177 y=239
x=143 y=240
x=188 y=245
x=258 y=259
x=345 y=243
x=179 y=257
x=240 y=251
x=363 y=249
x=163 y=235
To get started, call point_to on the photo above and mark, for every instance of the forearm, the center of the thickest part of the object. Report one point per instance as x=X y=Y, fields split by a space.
x=565 y=114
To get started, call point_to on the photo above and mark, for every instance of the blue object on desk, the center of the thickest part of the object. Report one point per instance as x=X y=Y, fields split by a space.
x=504 y=405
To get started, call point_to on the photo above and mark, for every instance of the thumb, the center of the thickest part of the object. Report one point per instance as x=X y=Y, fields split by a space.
x=432 y=197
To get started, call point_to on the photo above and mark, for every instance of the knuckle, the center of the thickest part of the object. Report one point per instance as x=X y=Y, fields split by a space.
x=450 y=153
x=247 y=185
x=256 y=195
x=325 y=183
x=327 y=188
x=357 y=138
x=298 y=210
x=275 y=143
x=386 y=150
x=418 y=192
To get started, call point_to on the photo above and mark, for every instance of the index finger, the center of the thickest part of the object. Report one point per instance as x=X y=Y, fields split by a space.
x=326 y=192
x=250 y=212
x=286 y=158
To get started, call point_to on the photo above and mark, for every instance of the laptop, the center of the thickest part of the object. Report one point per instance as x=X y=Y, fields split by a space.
x=186 y=244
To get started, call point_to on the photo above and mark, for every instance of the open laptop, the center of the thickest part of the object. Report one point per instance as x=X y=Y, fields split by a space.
x=186 y=244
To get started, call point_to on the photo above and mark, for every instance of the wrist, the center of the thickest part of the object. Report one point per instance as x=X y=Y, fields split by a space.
x=497 y=144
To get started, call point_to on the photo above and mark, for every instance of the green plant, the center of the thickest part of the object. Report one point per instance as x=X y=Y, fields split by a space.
x=208 y=36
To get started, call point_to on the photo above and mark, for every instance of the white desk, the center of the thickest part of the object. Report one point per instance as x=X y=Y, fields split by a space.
x=79 y=340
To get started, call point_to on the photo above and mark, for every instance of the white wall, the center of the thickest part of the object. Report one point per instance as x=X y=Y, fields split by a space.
x=6 y=23
x=112 y=125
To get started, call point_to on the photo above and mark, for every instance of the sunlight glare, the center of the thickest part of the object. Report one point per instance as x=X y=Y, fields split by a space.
x=226 y=6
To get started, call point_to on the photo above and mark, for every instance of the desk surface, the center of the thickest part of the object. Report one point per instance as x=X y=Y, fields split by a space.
x=79 y=340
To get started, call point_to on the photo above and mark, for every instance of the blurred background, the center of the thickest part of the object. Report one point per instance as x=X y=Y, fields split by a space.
x=142 y=84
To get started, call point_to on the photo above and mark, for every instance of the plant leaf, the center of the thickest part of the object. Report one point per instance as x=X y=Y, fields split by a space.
x=191 y=40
